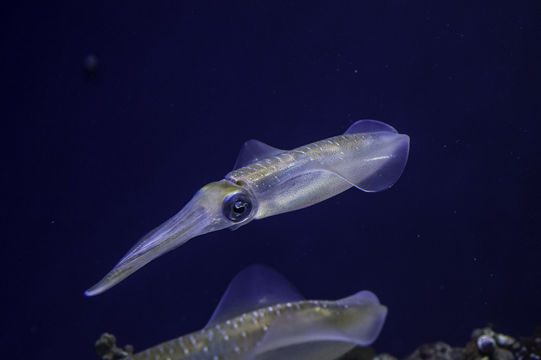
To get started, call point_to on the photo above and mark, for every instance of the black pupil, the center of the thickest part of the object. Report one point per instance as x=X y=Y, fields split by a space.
x=239 y=206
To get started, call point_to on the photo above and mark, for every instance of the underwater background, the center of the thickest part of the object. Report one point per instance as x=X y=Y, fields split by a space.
x=115 y=113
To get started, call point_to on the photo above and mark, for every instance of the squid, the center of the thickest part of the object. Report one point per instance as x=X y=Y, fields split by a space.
x=262 y=317
x=267 y=181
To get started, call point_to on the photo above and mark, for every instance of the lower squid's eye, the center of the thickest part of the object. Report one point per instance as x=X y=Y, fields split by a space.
x=237 y=207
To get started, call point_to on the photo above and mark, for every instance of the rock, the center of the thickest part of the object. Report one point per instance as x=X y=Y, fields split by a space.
x=437 y=351
x=502 y=354
x=486 y=344
x=384 y=356
x=504 y=340
x=107 y=350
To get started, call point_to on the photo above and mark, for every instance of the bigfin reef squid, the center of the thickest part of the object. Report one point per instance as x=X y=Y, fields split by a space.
x=267 y=181
x=262 y=317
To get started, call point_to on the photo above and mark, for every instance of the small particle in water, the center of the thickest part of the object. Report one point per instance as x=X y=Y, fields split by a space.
x=90 y=64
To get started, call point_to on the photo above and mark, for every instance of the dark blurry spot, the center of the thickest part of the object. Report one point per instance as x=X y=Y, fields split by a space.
x=90 y=65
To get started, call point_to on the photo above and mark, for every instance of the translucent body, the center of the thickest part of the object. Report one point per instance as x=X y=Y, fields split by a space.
x=370 y=156
x=315 y=172
x=300 y=329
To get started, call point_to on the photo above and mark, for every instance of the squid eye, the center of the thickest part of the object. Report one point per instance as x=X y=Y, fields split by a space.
x=237 y=207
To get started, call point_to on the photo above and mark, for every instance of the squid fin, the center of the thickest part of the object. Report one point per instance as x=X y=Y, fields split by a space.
x=378 y=169
x=254 y=150
x=253 y=288
x=369 y=126
x=358 y=323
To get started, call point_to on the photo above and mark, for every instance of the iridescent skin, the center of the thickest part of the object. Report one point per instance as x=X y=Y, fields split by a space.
x=275 y=181
x=270 y=179
x=243 y=337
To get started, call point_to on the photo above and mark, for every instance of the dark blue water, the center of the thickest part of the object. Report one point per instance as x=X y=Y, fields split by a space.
x=95 y=158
